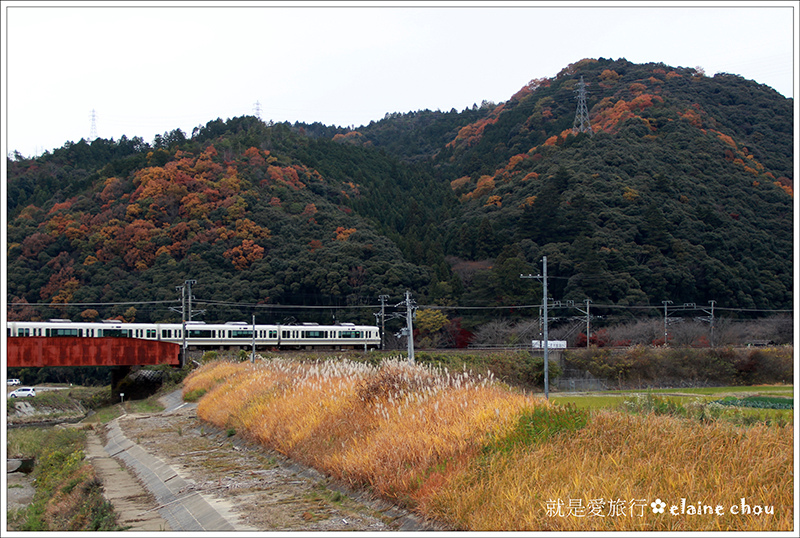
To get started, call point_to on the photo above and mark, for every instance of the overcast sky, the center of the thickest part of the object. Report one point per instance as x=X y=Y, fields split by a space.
x=147 y=68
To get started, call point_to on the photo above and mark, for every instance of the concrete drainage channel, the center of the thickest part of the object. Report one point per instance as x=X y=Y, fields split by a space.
x=183 y=511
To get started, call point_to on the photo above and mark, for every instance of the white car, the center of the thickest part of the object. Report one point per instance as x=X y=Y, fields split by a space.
x=12 y=382
x=23 y=392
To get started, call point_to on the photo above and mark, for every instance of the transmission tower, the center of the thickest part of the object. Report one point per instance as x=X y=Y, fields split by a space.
x=581 y=123
x=257 y=109
x=93 y=133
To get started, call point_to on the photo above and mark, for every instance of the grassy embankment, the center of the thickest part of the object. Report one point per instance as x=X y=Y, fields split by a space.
x=69 y=495
x=480 y=456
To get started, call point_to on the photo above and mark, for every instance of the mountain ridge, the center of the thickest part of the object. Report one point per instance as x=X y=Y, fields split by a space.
x=683 y=193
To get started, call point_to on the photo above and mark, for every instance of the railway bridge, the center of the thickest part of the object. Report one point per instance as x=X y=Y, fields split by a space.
x=120 y=353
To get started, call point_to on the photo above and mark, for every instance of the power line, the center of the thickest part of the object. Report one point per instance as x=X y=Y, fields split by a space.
x=59 y=305
x=554 y=304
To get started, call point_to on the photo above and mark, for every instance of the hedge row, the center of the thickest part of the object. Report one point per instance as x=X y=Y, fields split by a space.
x=711 y=366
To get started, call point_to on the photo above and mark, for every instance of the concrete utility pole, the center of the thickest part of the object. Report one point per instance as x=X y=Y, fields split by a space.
x=408 y=330
x=383 y=317
x=665 y=321
x=409 y=325
x=186 y=294
x=182 y=289
x=188 y=284
x=712 y=323
x=543 y=278
x=253 y=354
x=588 y=317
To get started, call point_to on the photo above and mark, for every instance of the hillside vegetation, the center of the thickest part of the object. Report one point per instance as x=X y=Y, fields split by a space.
x=683 y=193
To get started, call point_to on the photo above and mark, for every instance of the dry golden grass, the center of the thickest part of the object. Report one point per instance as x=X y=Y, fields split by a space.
x=619 y=457
x=426 y=438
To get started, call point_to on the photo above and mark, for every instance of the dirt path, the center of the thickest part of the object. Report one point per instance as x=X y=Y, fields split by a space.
x=249 y=487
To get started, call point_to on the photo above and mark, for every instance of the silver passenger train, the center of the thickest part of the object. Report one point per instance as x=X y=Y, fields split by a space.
x=200 y=335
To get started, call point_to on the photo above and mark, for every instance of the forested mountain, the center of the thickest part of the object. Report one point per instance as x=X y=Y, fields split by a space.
x=683 y=192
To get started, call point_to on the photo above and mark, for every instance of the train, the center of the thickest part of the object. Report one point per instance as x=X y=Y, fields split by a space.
x=199 y=335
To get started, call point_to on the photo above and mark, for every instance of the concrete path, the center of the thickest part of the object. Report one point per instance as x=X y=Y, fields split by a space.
x=130 y=500
x=182 y=509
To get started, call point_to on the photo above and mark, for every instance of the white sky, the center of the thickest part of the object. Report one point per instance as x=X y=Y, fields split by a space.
x=146 y=68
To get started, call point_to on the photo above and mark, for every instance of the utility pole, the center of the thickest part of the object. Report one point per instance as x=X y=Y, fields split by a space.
x=182 y=289
x=588 y=317
x=712 y=323
x=186 y=294
x=581 y=123
x=408 y=330
x=710 y=319
x=665 y=321
x=383 y=318
x=409 y=325
x=543 y=278
x=253 y=354
x=188 y=284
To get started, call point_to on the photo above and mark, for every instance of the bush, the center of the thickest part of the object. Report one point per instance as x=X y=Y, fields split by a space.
x=644 y=365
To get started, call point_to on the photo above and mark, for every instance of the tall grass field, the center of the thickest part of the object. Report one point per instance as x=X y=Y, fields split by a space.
x=476 y=455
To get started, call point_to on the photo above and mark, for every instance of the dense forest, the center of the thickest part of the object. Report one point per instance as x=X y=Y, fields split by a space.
x=682 y=192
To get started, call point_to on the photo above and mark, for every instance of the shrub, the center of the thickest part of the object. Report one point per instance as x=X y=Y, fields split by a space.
x=650 y=366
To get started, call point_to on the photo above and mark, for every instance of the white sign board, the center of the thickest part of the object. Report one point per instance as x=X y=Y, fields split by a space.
x=551 y=344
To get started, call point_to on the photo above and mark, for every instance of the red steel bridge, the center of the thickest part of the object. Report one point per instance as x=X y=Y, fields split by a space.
x=35 y=352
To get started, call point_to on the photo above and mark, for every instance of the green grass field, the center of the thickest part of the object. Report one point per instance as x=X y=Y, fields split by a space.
x=679 y=400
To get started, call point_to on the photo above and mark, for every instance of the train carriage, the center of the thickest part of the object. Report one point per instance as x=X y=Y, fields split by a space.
x=200 y=335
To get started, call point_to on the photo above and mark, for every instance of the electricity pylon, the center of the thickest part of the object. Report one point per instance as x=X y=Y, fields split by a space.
x=581 y=123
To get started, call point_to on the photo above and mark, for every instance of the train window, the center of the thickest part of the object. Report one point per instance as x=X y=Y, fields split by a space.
x=195 y=333
x=240 y=334
x=350 y=334
x=23 y=332
x=273 y=334
x=114 y=333
x=284 y=334
x=314 y=334
x=62 y=332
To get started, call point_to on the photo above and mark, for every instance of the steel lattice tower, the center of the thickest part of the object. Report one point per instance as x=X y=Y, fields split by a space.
x=93 y=133
x=581 y=123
